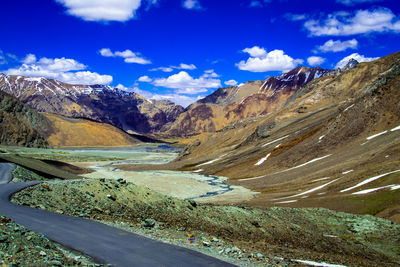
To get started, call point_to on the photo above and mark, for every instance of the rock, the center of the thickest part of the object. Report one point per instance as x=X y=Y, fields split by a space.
x=42 y=253
x=215 y=239
x=113 y=198
x=228 y=250
x=98 y=209
x=193 y=203
x=59 y=212
x=56 y=263
x=206 y=244
x=102 y=180
x=45 y=186
x=149 y=223
x=3 y=238
x=260 y=256
x=121 y=181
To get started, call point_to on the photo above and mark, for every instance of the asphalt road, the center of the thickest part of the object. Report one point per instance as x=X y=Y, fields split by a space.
x=5 y=172
x=105 y=244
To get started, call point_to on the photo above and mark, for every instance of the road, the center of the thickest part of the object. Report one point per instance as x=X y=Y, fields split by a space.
x=5 y=172
x=103 y=243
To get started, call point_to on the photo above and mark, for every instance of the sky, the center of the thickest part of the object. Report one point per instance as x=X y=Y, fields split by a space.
x=183 y=50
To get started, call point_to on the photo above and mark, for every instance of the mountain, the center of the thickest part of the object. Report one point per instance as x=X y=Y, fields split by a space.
x=252 y=99
x=73 y=132
x=21 y=125
x=126 y=110
x=335 y=145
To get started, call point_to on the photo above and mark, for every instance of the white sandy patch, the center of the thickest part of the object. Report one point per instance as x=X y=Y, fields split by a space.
x=322 y=264
x=368 y=181
x=212 y=161
x=199 y=170
x=261 y=161
x=288 y=201
x=276 y=140
x=321 y=179
x=349 y=107
x=304 y=164
x=366 y=191
x=346 y=172
x=395 y=128
x=309 y=191
x=252 y=178
x=376 y=135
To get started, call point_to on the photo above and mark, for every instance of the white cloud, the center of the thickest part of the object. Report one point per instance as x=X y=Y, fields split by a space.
x=356 y=56
x=101 y=10
x=106 y=52
x=231 y=83
x=63 y=69
x=181 y=66
x=183 y=83
x=337 y=46
x=295 y=17
x=164 y=69
x=191 y=4
x=210 y=74
x=179 y=99
x=127 y=55
x=258 y=3
x=145 y=78
x=362 y=22
x=354 y=2
x=261 y=61
x=29 y=59
x=315 y=61
x=255 y=51
x=184 y=66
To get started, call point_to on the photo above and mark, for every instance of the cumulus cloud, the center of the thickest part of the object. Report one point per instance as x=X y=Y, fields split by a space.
x=191 y=4
x=183 y=83
x=181 y=66
x=101 y=10
x=356 y=56
x=261 y=61
x=63 y=69
x=315 y=61
x=337 y=46
x=145 y=78
x=362 y=22
x=179 y=99
x=231 y=83
x=255 y=51
x=295 y=17
x=127 y=55
x=258 y=3
x=355 y=2
x=210 y=74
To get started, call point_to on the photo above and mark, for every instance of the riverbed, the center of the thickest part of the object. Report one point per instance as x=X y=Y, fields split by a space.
x=185 y=185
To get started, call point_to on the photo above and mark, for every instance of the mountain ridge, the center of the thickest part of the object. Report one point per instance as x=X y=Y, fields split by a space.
x=126 y=110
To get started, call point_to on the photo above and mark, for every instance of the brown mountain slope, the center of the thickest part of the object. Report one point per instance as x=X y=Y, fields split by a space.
x=71 y=132
x=339 y=137
x=20 y=125
x=125 y=110
x=227 y=105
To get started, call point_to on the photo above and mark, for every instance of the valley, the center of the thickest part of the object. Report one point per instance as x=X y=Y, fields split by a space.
x=306 y=170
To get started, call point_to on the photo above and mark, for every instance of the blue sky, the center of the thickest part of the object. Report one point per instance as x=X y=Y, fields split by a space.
x=185 y=49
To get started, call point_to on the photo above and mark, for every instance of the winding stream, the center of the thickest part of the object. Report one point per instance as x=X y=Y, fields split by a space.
x=184 y=185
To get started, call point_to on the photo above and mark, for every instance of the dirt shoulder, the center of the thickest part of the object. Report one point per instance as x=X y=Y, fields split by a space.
x=271 y=233
x=20 y=246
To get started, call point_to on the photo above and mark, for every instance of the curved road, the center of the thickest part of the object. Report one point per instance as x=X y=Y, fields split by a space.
x=105 y=244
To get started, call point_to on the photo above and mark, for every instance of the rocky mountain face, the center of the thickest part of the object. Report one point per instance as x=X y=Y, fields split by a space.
x=336 y=145
x=255 y=98
x=21 y=125
x=126 y=110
